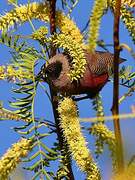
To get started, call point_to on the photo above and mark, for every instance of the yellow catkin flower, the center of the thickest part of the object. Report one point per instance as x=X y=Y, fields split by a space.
x=98 y=106
x=68 y=27
x=40 y=34
x=22 y=74
x=10 y=71
x=75 y=51
x=95 y=20
x=129 y=21
x=2 y=72
x=128 y=174
x=77 y=144
x=12 y=157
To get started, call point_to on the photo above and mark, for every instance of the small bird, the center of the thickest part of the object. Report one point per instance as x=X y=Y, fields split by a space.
x=99 y=64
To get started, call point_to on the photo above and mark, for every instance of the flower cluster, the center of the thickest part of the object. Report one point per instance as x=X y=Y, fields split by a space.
x=68 y=27
x=2 y=72
x=40 y=35
x=95 y=19
x=77 y=144
x=75 y=51
x=13 y=156
x=129 y=21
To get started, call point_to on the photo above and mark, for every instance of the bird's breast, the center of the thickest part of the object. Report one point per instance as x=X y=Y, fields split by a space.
x=93 y=81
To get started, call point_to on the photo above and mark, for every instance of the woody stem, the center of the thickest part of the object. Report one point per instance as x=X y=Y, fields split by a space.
x=115 y=106
x=62 y=142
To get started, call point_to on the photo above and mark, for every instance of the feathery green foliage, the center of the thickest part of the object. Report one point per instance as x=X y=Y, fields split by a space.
x=101 y=132
x=104 y=136
x=98 y=106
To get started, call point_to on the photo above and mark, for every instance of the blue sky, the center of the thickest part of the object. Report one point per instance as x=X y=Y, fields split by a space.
x=43 y=107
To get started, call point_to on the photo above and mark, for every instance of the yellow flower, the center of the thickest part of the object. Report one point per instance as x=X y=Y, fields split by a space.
x=77 y=144
x=40 y=34
x=10 y=71
x=68 y=27
x=75 y=51
x=2 y=72
x=13 y=156
x=129 y=21
x=6 y=114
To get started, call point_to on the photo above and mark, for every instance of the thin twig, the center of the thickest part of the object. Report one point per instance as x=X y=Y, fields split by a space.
x=115 y=106
x=108 y=118
x=127 y=94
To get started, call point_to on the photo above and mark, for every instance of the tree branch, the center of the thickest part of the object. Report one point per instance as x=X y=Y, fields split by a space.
x=115 y=107
x=62 y=142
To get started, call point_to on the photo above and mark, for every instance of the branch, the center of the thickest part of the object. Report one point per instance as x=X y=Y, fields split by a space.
x=62 y=143
x=115 y=106
x=108 y=118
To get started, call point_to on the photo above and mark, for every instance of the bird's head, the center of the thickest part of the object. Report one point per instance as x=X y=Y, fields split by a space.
x=57 y=70
x=53 y=70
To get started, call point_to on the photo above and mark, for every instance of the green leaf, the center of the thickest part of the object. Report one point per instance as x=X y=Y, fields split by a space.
x=18 y=104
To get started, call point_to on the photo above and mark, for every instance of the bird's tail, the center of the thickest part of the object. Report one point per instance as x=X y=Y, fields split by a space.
x=122 y=60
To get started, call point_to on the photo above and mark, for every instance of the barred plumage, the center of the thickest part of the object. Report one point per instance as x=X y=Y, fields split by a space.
x=100 y=62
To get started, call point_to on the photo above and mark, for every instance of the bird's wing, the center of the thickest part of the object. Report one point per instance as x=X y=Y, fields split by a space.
x=101 y=62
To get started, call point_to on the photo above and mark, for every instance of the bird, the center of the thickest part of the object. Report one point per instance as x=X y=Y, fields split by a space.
x=96 y=75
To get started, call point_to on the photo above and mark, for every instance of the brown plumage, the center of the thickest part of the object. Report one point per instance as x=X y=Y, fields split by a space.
x=95 y=77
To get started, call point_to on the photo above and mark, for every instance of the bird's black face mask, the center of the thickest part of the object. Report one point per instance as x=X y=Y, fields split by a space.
x=53 y=70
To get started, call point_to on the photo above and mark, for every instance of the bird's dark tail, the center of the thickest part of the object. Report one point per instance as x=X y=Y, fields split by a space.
x=122 y=60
